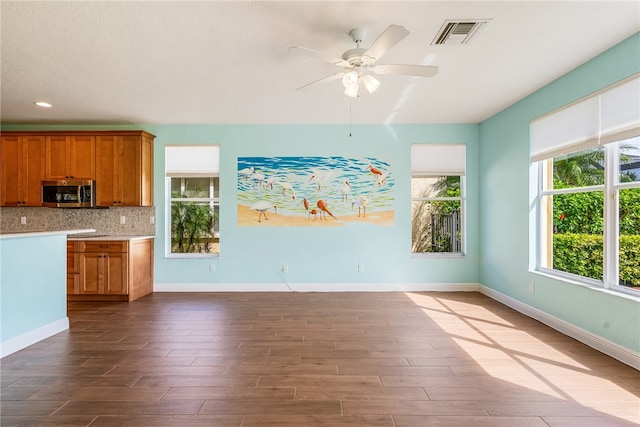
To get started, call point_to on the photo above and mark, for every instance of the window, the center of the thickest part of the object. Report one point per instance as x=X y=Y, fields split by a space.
x=193 y=208
x=437 y=198
x=588 y=192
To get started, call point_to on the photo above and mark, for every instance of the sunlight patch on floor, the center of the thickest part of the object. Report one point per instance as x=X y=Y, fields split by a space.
x=531 y=356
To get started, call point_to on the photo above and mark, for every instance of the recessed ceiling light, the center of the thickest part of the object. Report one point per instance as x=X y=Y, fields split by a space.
x=43 y=104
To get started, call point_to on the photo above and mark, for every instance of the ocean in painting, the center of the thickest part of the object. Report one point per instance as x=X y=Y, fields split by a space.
x=279 y=185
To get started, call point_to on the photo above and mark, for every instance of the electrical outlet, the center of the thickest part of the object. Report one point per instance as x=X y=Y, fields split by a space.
x=285 y=268
x=532 y=287
x=360 y=268
x=212 y=268
x=23 y=220
x=123 y=219
x=152 y=220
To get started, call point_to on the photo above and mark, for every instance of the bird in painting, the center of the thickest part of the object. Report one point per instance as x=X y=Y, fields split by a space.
x=375 y=171
x=378 y=175
x=382 y=178
x=346 y=188
x=270 y=181
x=361 y=203
x=262 y=206
x=324 y=210
x=313 y=212
x=258 y=178
x=321 y=178
x=287 y=188
x=246 y=172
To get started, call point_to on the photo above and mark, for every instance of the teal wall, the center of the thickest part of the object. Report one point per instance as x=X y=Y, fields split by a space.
x=318 y=254
x=504 y=213
x=33 y=283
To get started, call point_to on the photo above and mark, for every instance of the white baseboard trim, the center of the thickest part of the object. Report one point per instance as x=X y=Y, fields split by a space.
x=315 y=287
x=603 y=345
x=25 y=340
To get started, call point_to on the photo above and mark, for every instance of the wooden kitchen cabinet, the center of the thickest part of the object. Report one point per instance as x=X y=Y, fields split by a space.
x=23 y=169
x=120 y=162
x=109 y=270
x=103 y=273
x=124 y=170
x=71 y=157
x=73 y=268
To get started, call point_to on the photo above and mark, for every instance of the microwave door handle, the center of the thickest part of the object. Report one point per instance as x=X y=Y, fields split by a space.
x=80 y=193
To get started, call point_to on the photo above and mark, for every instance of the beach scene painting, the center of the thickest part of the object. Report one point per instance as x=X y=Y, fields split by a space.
x=314 y=191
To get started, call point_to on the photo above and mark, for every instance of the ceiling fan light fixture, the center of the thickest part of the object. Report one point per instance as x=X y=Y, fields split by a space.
x=371 y=83
x=351 y=91
x=350 y=79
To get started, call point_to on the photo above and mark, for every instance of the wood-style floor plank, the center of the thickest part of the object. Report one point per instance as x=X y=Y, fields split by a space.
x=313 y=359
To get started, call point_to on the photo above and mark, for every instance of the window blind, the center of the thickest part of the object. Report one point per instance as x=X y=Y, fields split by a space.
x=193 y=160
x=607 y=116
x=438 y=159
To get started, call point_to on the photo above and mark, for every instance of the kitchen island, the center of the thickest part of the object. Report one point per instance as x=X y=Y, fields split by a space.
x=33 y=297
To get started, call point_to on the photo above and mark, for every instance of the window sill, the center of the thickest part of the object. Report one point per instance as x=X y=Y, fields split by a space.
x=622 y=293
x=191 y=256
x=438 y=255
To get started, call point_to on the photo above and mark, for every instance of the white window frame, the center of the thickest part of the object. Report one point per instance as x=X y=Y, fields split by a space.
x=185 y=170
x=606 y=118
x=440 y=164
x=611 y=227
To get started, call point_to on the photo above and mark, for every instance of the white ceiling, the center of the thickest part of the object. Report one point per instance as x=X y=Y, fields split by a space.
x=214 y=62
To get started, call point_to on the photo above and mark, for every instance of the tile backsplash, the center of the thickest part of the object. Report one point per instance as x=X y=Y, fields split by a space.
x=137 y=220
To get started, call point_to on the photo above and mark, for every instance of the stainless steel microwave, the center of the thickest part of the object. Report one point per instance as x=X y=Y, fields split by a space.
x=69 y=194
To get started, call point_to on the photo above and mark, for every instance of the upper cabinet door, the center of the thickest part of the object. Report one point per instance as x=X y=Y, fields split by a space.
x=71 y=157
x=131 y=171
x=11 y=170
x=22 y=170
x=82 y=157
x=57 y=154
x=107 y=191
x=124 y=170
x=33 y=172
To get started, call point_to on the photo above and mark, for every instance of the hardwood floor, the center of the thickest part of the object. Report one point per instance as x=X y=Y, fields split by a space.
x=313 y=359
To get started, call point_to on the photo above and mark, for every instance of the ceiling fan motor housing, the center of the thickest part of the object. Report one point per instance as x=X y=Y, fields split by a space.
x=355 y=57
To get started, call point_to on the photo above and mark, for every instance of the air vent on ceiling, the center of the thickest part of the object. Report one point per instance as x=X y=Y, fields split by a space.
x=458 y=31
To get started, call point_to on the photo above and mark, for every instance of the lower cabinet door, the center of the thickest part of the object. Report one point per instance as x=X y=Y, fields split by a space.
x=115 y=266
x=91 y=272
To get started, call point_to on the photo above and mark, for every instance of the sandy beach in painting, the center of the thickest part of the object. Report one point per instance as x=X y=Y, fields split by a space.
x=248 y=217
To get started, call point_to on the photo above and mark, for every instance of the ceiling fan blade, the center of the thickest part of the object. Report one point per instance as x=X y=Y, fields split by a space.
x=322 y=80
x=318 y=55
x=407 y=70
x=389 y=38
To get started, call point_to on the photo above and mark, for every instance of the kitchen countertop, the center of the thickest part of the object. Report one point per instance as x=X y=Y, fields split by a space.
x=111 y=238
x=14 y=235
x=75 y=235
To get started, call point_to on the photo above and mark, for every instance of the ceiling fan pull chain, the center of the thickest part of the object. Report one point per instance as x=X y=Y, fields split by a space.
x=350 y=100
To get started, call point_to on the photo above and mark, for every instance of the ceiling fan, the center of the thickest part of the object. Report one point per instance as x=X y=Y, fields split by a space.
x=357 y=64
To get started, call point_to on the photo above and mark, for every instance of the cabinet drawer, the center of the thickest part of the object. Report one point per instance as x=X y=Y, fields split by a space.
x=72 y=246
x=103 y=246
